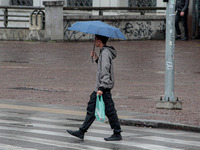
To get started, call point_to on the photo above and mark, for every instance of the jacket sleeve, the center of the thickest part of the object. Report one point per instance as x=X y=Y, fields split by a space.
x=105 y=65
x=186 y=5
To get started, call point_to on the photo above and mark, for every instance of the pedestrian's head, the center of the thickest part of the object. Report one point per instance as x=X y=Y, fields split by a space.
x=103 y=39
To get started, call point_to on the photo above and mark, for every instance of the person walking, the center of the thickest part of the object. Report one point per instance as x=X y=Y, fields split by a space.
x=104 y=85
x=181 y=14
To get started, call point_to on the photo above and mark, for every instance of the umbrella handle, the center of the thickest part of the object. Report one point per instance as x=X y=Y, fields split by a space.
x=92 y=59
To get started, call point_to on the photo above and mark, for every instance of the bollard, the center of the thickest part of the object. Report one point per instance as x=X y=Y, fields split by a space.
x=37 y=20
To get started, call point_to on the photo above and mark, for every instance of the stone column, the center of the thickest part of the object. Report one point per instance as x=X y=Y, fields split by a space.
x=123 y=3
x=37 y=3
x=54 y=20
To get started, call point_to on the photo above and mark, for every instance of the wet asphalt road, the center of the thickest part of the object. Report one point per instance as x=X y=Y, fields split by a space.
x=33 y=126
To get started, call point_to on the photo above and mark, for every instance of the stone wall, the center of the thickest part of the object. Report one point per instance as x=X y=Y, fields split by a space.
x=133 y=27
x=22 y=35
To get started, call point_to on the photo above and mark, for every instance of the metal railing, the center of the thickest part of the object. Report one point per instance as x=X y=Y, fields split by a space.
x=142 y=10
x=6 y=17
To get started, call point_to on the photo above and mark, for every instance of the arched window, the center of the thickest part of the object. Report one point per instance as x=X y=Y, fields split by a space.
x=21 y=2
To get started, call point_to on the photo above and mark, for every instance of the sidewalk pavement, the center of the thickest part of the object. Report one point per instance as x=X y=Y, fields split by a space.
x=62 y=74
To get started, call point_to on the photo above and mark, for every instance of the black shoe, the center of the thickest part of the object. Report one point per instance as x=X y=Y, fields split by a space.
x=114 y=137
x=184 y=39
x=79 y=134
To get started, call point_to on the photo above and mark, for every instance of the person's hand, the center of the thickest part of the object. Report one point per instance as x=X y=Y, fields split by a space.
x=99 y=93
x=182 y=13
x=94 y=55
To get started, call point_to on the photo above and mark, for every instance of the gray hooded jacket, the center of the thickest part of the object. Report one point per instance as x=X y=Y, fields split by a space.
x=105 y=73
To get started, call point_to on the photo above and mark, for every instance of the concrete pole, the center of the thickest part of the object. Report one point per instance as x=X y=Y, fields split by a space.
x=169 y=101
x=54 y=20
x=169 y=52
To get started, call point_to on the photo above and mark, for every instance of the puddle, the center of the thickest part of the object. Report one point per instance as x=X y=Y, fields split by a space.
x=16 y=61
x=37 y=89
x=197 y=73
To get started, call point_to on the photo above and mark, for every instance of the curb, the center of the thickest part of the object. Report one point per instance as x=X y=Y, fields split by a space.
x=159 y=124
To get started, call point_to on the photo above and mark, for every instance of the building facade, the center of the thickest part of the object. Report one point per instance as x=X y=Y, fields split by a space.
x=193 y=18
x=94 y=3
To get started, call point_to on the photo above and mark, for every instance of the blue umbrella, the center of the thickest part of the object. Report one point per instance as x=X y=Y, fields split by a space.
x=97 y=27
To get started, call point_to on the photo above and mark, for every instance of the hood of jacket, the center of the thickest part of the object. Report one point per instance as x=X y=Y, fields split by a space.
x=111 y=49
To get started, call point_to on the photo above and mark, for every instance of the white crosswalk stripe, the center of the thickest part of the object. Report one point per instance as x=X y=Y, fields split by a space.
x=10 y=147
x=146 y=146
x=161 y=139
x=59 y=127
x=52 y=142
x=49 y=133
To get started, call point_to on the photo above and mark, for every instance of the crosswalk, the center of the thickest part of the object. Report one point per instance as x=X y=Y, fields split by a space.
x=29 y=130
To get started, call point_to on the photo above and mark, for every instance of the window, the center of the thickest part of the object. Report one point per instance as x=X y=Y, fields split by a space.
x=21 y=2
x=142 y=3
x=79 y=3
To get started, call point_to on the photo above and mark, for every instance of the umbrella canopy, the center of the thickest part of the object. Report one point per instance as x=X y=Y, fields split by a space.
x=97 y=27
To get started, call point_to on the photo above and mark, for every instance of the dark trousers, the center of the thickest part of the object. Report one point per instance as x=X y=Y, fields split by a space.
x=184 y=19
x=110 y=112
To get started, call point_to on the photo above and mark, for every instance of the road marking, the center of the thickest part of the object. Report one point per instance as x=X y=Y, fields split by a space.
x=29 y=119
x=135 y=144
x=90 y=138
x=27 y=127
x=170 y=140
x=48 y=110
x=97 y=124
x=42 y=109
x=10 y=147
x=34 y=125
x=51 y=142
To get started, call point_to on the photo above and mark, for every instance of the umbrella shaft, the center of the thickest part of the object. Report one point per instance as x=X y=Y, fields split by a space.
x=92 y=56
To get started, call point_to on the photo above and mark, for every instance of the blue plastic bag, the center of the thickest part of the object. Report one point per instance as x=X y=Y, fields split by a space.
x=100 y=109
